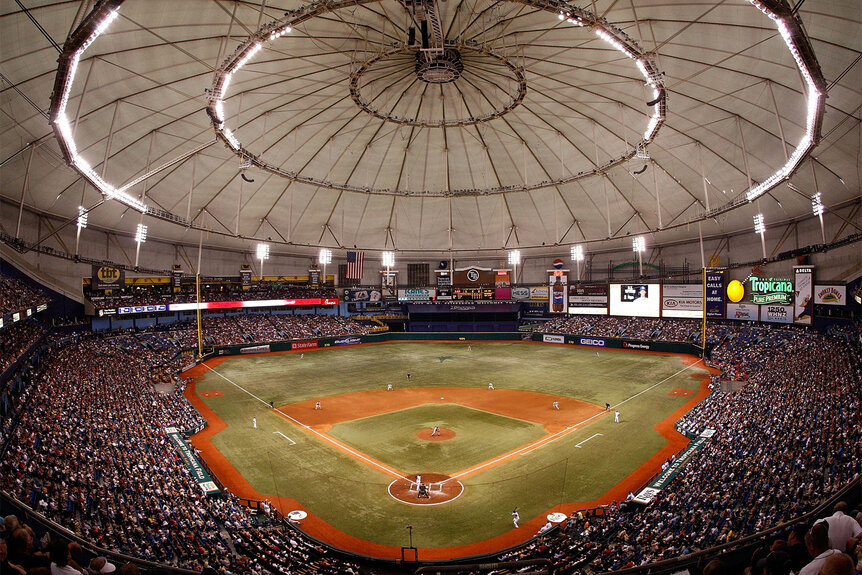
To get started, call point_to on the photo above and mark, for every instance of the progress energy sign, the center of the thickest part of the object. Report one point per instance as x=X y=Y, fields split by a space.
x=766 y=291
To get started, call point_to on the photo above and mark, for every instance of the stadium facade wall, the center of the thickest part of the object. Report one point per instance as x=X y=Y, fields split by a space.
x=733 y=246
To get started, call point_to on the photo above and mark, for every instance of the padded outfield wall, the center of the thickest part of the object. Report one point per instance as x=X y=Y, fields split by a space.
x=560 y=339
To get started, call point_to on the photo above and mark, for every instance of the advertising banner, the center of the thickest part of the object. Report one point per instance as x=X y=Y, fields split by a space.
x=303 y=344
x=743 y=311
x=539 y=293
x=671 y=471
x=107 y=277
x=503 y=293
x=715 y=295
x=444 y=285
x=588 y=299
x=682 y=300
x=250 y=304
x=830 y=294
x=351 y=340
x=370 y=294
x=591 y=341
x=776 y=313
x=634 y=345
x=635 y=300
x=416 y=294
x=520 y=293
x=255 y=349
x=553 y=338
x=803 y=300
x=176 y=278
x=245 y=277
x=558 y=287
x=199 y=474
x=501 y=279
x=474 y=277
x=142 y=309
x=765 y=291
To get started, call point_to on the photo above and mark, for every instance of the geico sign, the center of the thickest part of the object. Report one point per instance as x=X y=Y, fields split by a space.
x=593 y=342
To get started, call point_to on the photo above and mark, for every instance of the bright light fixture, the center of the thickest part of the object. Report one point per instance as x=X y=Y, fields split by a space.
x=325 y=256
x=83 y=216
x=141 y=234
x=263 y=251
x=514 y=257
x=639 y=244
x=817 y=204
x=388 y=259
x=577 y=253
x=759 y=224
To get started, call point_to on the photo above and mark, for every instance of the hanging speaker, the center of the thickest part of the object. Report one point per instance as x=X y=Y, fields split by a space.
x=424 y=27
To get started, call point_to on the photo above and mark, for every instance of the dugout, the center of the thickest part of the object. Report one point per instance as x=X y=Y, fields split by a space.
x=453 y=316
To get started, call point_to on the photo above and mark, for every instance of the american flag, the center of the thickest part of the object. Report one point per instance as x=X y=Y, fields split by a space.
x=354 y=265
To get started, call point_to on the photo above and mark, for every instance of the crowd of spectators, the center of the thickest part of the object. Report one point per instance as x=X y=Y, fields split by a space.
x=680 y=330
x=163 y=294
x=16 y=295
x=17 y=338
x=103 y=467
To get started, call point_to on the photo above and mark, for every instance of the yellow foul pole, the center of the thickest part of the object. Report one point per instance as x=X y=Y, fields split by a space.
x=198 y=299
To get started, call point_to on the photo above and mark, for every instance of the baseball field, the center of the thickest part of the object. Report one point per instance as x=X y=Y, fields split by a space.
x=540 y=441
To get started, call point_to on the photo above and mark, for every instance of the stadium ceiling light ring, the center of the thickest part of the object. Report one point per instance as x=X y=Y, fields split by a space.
x=449 y=62
x=90 y=29
x=106 y=11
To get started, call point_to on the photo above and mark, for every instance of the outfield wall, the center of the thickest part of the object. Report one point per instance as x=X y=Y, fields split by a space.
x=564 y=339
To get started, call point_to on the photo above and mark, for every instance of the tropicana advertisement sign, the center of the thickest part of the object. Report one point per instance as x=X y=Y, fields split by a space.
x=765 y=291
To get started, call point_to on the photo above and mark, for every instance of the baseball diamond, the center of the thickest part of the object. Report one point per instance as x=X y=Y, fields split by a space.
x=355 y=461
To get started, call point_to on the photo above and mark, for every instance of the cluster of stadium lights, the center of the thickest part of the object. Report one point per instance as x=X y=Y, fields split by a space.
x=815 y=104
x=646 y=67
x=817 y=204
x=64 y=129
x=141 y=234
x=83 y=216
x=388 y=259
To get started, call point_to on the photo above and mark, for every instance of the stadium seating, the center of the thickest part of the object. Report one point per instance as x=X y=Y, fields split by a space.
x=90 y=450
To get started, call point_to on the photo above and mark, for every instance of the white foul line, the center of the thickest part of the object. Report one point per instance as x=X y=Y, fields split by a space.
x=292 y=442
x=587 y=439
x=546 y=440
x=323 y=436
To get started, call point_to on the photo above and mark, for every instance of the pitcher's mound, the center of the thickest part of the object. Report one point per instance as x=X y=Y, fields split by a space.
x=438 y=487
x=442 y=434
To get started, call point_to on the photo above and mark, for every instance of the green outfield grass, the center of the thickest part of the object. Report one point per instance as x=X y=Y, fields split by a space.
x=391 y=438
x=353 y=497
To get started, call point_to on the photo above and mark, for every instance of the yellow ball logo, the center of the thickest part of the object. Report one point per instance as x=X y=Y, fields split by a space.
x=735 y=291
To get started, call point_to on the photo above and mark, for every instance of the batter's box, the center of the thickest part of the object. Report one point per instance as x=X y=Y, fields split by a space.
x=436 y=489
x=682 y=392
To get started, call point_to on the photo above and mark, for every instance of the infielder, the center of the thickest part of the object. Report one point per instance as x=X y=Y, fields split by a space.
x=616 y=416
x=317 y=405
x=490 y=385
x=435 y=431
x=557 y=405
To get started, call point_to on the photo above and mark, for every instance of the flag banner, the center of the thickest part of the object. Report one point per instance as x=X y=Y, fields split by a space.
x=355 y=262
